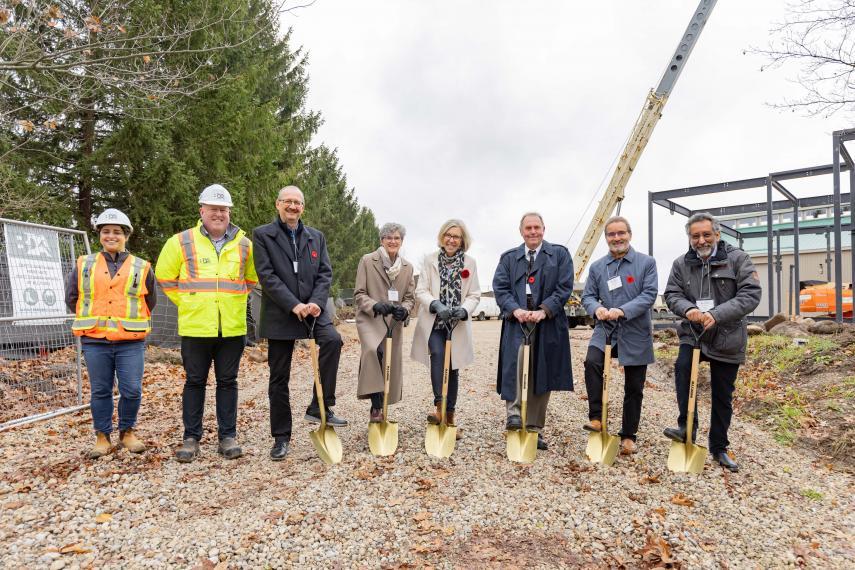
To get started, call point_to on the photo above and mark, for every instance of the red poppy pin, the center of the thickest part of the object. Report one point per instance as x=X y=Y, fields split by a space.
x=630 y=279
x=314 y=253
x=464 y=273
x=531 y=279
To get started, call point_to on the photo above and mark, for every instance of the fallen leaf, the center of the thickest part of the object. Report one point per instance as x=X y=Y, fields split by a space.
x=76 y=548
x=104 y=518
x=14 y=505
x=54 y=12
x=28 y=126
x=424 y=515
x=275 y=515
x=649 y=479
x=146 y=59
x=682 y=500
x=4 y=16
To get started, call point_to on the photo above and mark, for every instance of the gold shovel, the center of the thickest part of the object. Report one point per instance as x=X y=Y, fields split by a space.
x=603 y=447
x=383 y=436
x=689 y=457
x=325 y=440
x=521 y=444
x=440 y=439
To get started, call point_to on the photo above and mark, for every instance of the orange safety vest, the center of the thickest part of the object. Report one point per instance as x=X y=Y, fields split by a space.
x=112 y=307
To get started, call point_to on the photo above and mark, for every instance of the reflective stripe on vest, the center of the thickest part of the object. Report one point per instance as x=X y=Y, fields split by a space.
x=86 y=283
x=195 y=284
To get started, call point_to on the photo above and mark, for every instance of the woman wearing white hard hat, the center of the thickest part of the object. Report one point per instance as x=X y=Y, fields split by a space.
x=112 y=294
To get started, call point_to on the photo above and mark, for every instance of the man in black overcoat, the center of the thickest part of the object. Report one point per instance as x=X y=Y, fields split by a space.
x=294 y=271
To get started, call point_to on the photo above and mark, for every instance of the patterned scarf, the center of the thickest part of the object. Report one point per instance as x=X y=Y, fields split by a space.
x=449 y=278
x=392 y=269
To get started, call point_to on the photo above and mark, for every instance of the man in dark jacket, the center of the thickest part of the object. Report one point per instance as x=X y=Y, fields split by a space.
x=620 y=290
x=294 y=270
x=714 y=287
x=532 y=283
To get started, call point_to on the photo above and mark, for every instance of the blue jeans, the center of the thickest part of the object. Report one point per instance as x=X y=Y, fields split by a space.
x=107 y=362
x=436 y=347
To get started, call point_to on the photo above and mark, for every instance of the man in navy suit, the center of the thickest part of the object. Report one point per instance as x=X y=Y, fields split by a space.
x=532 y=283
x=294 y=270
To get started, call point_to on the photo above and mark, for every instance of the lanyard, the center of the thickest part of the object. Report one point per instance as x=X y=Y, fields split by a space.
x=617 y=270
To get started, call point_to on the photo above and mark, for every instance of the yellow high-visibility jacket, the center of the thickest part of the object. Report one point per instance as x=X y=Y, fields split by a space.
x=210 y=290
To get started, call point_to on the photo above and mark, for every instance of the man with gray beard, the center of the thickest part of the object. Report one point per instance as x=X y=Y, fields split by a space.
x=714 y=287
x=620 y=291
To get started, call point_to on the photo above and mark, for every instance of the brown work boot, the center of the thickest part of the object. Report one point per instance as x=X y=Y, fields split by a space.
x=594 y=425
x=627 y=446
x=102 y=445
x=435 y=417
x=458 y=434
x=129 y=440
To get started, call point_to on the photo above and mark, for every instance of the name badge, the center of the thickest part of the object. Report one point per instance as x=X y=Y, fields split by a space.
x=393 y=295
x=296 y=265
x=614 y=283
x=705 y=305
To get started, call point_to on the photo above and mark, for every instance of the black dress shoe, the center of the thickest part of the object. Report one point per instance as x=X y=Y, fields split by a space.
x=725 y=461
x=541 y=443
x=677 y=434
x=513 y=423
x=332 y=419
x=279 y=450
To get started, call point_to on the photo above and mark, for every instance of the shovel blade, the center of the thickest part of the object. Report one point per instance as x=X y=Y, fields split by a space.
x=383 y=438
x=327 y=444
x=602 y=448
x=521 y=446
x=440 y=440
x=684 y=458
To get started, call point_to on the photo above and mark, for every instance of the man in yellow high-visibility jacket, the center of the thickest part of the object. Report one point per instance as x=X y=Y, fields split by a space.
x=208 y=272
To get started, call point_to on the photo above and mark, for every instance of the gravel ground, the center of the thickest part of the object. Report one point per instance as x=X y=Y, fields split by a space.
x=60 y=510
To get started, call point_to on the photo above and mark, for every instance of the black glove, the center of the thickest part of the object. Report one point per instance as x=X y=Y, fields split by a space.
x=459 y=313
x=400 y=313
x=437 y=306
x=382 y=309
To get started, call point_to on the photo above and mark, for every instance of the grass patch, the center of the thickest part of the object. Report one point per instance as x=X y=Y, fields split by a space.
x=811 y=494
x=667 y=353
x=845 y=389
x=783 y=355
x=787 y=417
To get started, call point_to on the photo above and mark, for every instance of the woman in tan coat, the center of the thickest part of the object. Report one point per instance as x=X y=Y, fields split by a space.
x=384 y=286
x=448 y=290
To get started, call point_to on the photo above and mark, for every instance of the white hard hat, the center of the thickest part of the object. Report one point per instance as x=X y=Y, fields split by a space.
x=114 y=217
x=215 y=195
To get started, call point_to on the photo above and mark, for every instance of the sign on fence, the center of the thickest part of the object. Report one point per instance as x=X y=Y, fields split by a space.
x=35 y=273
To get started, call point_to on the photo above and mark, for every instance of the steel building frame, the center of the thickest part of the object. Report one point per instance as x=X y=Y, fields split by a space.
x=775 y=182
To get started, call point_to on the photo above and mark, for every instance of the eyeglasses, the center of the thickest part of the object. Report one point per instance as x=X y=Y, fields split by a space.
x=708 y=236
x=619 y=234
x=452 y=237
x=291 y=202
x=392 y=238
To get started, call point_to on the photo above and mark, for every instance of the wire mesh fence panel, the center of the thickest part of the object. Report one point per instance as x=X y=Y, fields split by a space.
x=40 y=366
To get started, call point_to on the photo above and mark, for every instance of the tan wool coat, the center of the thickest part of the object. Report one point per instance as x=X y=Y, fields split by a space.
x=372 y=286
x=427 y=291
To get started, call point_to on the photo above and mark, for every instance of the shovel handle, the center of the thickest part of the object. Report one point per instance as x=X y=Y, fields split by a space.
x=528 y=331
x=387 y=374
x=319 y=389
x=693 y=393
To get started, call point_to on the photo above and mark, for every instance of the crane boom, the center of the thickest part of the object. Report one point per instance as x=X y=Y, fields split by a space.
x=641 y=132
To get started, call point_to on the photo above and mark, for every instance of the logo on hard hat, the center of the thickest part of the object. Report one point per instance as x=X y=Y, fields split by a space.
x=220 y=195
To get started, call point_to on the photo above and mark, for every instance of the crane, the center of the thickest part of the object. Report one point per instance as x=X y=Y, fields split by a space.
x=641 y=132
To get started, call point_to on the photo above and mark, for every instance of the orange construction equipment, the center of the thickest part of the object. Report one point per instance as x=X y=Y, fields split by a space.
x=819 y=298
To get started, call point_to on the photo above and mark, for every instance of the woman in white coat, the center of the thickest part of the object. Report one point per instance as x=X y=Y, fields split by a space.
x=447 y=290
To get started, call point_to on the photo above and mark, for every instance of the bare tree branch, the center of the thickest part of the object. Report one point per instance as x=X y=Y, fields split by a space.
x=816 y=40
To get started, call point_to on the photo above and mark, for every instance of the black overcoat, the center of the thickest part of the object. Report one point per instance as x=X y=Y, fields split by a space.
x=282 y=289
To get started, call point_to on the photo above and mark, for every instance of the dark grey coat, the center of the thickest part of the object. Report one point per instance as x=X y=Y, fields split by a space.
x=635 y=297
x=282 y=289
x=735 y=289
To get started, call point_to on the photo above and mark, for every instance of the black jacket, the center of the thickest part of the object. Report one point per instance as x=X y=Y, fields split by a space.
x=282 y=289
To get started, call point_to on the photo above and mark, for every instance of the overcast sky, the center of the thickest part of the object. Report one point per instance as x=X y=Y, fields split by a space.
x=482 y=110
